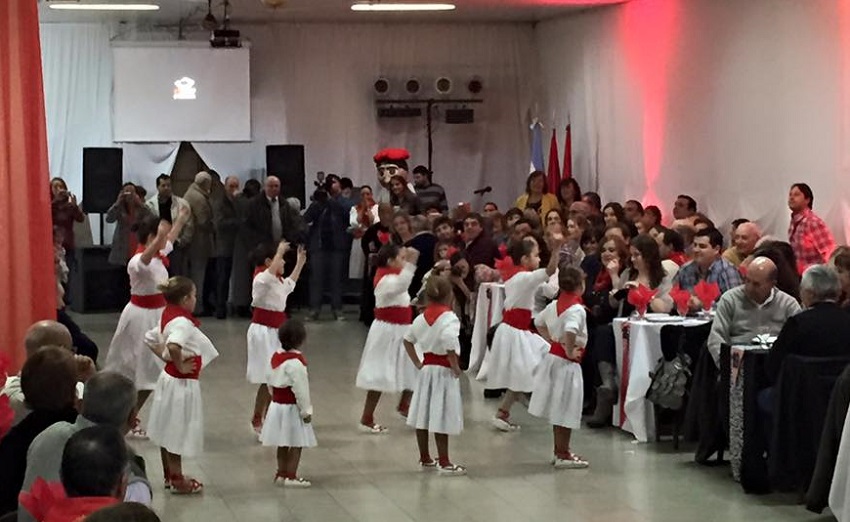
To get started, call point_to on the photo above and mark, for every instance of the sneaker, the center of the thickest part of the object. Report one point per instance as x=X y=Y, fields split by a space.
x=296 y=482
x=374 y=429
x=451 y=470
x=570 y=461
x=504 y=424
x=427 y=466
x=137 y=433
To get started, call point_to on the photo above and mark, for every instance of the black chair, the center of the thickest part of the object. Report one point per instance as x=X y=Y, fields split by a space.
x=817 y=497
x=11 y=516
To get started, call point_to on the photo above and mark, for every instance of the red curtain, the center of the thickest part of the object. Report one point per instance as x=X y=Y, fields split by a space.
x=27 y=281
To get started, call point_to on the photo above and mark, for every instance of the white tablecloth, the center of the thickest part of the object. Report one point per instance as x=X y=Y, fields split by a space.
x=634 y=379
x=488 y=311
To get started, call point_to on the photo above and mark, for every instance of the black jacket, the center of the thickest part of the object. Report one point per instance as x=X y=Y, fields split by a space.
x=258 y=222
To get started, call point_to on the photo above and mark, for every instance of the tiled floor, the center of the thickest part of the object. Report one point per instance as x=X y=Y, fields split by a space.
x=375 y=478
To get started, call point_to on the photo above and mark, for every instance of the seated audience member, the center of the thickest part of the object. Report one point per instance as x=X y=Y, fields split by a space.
x=401 y=197
x=499 y=230
x=110 y=400
x=685 y=209
x=94 y=474
x=645 y=269
x=744 y=241
x=478 y=249
x=489 y=209
x=735 y=224
x=633 y=211
x=511 y=217
x=444 y=229
x=651 y=217
x=580 y=207
x=822 y=329
x=841 y=261
x=568 y=193
x=613 y=260
x=754 y=308
x=613 y=213
x=49 y=383
x=532 y=217
x=521 y=229
x=701 y=222
x=780 y=252
x=708 y=265
x=124 y=512
x=671 y=246
x=554 y=222
x=620 y=230
x=571 y=252
x=594 y=201
x=40 y=334
x=687 y=233
x=536 y=196
x=590 y=240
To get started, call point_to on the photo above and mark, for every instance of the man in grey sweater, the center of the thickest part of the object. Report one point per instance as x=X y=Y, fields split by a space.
x=757 y=307
x=109 y=400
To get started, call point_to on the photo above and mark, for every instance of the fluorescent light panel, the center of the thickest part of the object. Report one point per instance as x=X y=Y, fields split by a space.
x=74 y=6
x=364 y=6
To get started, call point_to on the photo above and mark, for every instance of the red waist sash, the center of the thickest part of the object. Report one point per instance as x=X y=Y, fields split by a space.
x=151 y=302
x=519 y=318
x=436 y=360
x=283 y=395
x=394 y=314
x=268 y=318
x=557 y=349
x=171 y=369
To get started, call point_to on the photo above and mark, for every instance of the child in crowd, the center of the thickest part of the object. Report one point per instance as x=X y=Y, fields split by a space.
x=147 y=269
x=558 y=386
x=516 y=350
x=288 y=423
x=269 y=293
x=436 y=406
x=384 y=367
x=176 y=422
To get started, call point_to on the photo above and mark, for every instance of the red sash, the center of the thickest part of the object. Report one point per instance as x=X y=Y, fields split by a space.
x=395 y=314
x=164 y=259
x=519 y=318
x=269 y=318
x=171 y=369
x=557 y=349
x=283 y=395
x=149 y=302
x=433 y=359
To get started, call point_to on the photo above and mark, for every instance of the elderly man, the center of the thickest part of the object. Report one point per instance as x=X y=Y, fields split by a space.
x=110 y=400
x=226 y=220
x=754 y=308
x=743 y=243
x=708 y=265
x=202 y=246
x=166 y=206
x=822 y=329
x=40 y=334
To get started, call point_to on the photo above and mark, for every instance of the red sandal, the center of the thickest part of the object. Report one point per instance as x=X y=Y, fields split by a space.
x=181 y=485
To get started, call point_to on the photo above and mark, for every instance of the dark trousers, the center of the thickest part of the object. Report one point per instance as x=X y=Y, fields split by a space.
x=178 y=262
x=224 y=267
x=326 y=272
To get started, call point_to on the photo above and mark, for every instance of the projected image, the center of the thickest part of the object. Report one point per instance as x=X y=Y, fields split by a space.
x=184 y=89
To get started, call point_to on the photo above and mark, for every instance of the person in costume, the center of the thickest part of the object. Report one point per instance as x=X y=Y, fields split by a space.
x=288 y=424
x=176 y=421
x=516 y=350
x=558 y=386
x=147 y=269
x=436 y=406
x=390 y=163
x=384 y=366
x=270 y=291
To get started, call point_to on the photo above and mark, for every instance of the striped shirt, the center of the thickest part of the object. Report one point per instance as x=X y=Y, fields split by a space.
x=432 y=196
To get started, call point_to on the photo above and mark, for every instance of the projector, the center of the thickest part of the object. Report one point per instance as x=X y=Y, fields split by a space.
x=225 y=38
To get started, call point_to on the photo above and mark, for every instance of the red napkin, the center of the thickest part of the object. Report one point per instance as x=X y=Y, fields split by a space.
x=640 y=298
x=41 y=497
x=681 y=298
x=707 y=293
x=383 y=237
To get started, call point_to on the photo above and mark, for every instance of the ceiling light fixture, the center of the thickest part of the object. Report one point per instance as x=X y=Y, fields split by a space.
x=75 y=6
x=384 y=7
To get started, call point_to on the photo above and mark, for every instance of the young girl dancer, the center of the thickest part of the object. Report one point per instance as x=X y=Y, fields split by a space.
x=384 y=367
x=436 y=406
x=288 y=423
x=176 y=421
x=558 y=386
x=516 y=350
x=148 y=268
x=269 y=292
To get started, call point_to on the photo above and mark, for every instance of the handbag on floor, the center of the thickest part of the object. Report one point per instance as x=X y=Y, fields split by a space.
x=670 y=382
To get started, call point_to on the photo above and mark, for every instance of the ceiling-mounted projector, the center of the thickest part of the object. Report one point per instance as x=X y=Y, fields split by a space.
x=225 y=38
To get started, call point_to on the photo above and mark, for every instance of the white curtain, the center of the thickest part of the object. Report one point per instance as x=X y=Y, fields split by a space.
x=728 y=101
x=312 y=84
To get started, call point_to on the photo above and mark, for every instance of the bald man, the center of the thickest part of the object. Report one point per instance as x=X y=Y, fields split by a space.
x=743 y=243
x=754 y=308
x=39 y=335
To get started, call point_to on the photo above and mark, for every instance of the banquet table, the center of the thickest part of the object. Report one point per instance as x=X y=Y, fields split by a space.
x=488 y=311
x=638 y=349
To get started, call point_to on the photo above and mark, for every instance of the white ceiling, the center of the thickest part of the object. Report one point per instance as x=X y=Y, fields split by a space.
x=254 y=11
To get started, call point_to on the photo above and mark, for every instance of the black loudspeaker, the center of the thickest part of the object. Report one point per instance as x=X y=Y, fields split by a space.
x=96 y=285
x=103 y=176
x=287 y=163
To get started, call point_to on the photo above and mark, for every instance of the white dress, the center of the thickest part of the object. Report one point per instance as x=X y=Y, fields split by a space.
x=284 y=425
x=436 y=405
x=176 y=420
x=515 y=352
x=127 y=353
x=269 y=293
x=558 y=385
x=385 y=366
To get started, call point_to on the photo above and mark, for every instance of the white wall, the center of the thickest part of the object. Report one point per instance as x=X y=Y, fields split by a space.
x=730 y=101
x=311 y=84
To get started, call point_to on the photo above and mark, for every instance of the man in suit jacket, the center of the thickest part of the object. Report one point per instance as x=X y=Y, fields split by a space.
x=821 y=330
x=166 y=206
x=271 y=219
